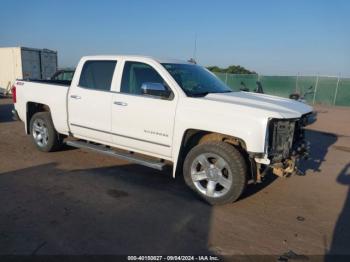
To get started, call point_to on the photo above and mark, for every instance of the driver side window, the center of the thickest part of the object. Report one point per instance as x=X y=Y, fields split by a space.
x=136 y=76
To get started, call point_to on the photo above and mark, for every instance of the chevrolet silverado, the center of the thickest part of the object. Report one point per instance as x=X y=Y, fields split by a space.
x=167 y=112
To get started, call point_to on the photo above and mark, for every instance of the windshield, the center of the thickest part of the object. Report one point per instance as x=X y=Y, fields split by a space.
x=196 y=80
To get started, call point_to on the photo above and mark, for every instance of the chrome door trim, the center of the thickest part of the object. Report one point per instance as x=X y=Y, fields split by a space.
x=107 y=132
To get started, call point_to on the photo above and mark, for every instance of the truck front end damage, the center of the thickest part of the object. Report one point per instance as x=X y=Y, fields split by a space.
x=285 y=146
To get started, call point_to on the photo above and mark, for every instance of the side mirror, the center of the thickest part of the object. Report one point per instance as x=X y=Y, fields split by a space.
x=155 y=89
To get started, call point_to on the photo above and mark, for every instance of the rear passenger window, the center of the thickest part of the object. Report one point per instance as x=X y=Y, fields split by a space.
x=97 y=75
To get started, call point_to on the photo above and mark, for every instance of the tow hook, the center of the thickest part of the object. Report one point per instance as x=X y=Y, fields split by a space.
x=287 y=168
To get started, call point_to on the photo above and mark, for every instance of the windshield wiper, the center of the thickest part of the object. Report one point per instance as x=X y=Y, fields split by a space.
x=199 y=94
x=221 y=92
x=206 y=93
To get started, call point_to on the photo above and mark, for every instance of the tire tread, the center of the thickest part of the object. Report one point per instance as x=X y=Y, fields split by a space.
x=236 y=162
x=55 y=139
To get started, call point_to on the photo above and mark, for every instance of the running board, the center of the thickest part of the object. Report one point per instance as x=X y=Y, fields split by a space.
x=159 y=165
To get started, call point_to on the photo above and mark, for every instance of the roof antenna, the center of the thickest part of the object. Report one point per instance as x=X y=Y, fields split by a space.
x=193 y=60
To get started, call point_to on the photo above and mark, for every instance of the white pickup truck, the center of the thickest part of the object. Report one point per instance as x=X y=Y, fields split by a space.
x=160 y=112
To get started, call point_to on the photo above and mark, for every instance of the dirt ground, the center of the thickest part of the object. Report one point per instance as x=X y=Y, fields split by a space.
x=79 y=202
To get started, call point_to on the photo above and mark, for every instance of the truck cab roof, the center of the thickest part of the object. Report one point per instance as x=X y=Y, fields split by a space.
x=136 y=57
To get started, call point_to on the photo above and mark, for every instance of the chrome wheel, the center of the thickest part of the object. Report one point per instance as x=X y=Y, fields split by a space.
x=211 y=175
x=40 y=132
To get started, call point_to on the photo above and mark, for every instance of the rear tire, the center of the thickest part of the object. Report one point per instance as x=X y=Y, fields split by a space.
x=217 y=171
x=43 y=133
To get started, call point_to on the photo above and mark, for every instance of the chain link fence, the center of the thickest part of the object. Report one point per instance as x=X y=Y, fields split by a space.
x=326 y=90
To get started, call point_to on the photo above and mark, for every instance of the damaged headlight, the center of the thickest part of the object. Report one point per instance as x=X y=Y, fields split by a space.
x=308 y=118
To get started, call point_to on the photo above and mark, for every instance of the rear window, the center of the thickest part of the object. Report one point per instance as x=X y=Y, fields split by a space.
x=97 y=75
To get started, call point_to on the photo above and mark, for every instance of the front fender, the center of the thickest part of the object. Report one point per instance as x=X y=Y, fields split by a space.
x=250 y=131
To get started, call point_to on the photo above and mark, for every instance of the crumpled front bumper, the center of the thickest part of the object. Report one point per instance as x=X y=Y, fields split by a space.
x=285 y=149
x=284 y=161
x=289 y=166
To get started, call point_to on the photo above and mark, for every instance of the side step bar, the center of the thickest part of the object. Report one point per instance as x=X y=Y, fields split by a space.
x=125 y=156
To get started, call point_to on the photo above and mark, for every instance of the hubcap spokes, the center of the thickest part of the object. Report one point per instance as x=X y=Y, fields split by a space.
x=211 y=175
x=40 y=132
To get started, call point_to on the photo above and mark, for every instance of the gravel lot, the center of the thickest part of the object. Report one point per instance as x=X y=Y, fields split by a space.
x=79 y=202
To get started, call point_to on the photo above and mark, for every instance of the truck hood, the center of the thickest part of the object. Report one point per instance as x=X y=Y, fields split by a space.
x=266 y=104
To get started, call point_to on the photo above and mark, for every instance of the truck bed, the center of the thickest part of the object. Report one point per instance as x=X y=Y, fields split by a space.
x=51 y=93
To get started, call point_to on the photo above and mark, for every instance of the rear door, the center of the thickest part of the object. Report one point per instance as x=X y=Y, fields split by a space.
x=90 y=99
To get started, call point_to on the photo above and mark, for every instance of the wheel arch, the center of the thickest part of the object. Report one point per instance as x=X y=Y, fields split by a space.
x=192 y=137
x=33 y=108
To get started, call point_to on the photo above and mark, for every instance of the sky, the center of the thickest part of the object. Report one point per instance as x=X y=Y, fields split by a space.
x=270 y=37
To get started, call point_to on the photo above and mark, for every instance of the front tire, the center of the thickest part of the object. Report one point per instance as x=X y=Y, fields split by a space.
x=43 y=133
x=217 y=171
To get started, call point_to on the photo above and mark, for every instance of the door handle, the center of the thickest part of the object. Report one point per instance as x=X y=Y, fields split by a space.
x=118 y=103
x=75 y=97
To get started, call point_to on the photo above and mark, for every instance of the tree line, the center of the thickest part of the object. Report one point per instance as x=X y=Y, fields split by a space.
x=232 y=69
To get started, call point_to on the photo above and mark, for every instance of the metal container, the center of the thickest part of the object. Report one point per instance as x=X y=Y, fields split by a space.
x=25 y=63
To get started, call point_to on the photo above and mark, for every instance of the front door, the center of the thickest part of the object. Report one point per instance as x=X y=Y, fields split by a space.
x=139 y=121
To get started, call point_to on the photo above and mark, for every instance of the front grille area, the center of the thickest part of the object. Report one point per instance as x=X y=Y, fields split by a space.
x=285 y=135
